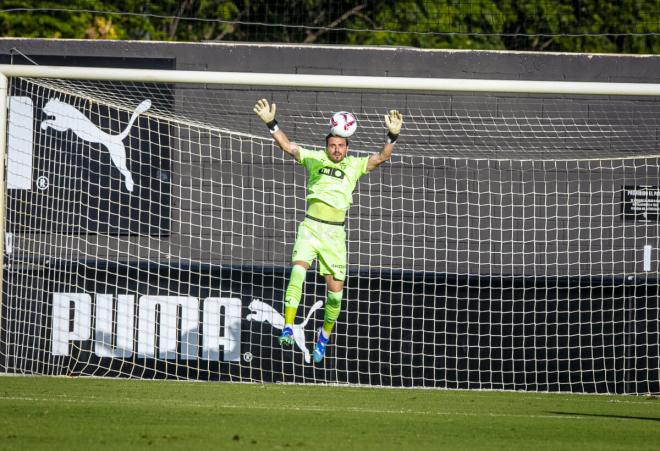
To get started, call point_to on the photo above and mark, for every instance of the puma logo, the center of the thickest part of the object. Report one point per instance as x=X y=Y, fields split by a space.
x=264 y=313
x=63 y=117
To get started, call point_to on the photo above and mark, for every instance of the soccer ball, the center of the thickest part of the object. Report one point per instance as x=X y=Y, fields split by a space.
x=343 y=124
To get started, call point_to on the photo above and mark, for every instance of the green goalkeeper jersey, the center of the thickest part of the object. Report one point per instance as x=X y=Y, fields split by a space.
x=330 y=182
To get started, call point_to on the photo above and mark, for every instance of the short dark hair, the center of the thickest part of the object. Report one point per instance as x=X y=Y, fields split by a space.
x=330 y=135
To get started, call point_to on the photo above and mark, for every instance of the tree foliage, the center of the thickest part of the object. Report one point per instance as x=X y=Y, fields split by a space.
x=628 y=26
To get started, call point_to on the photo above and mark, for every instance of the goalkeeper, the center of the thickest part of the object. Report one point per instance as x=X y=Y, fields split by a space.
x=321 y=235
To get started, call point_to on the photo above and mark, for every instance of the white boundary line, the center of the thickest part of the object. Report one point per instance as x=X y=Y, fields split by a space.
x=311 y=409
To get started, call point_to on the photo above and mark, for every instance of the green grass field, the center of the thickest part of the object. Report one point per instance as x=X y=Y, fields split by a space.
x=62 y=413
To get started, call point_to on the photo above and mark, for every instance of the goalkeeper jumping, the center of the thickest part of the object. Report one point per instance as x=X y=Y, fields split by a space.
x=321 y=235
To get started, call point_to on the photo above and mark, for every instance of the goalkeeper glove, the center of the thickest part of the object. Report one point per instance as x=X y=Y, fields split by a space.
x=393 y=121
x=267 y=114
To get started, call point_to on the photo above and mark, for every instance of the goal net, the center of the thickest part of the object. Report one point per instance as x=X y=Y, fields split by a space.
x=511 y=242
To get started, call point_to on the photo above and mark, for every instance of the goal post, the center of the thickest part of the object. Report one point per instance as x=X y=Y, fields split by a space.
x=511 y=243
x=4 y=94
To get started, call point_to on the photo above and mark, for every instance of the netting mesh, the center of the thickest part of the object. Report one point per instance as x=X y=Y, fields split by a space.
x=501 y=248
x=462 y=125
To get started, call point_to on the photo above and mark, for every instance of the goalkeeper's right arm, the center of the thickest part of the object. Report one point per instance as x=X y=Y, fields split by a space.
x=393 y=120
x=267 y=114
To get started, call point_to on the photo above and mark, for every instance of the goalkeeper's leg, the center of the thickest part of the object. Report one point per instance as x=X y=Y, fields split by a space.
x=304 y=253
x=292 y=300
x=332 y=264
x=332 y=310
x=331 y=313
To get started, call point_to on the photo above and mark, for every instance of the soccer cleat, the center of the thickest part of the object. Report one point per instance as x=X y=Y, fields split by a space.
x=286 y=337
x=319 y=348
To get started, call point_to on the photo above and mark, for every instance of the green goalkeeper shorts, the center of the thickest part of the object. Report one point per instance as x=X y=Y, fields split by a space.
x=325 y=242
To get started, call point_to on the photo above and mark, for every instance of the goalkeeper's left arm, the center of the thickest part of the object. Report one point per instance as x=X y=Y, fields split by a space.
x=393 y=121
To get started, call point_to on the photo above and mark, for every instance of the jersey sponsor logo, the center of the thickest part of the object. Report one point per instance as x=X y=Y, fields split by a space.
x=332 y=172
x=264 y=313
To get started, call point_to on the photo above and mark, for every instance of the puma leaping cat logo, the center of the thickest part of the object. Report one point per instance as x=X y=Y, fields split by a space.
x=264 y=313
x=67 y=117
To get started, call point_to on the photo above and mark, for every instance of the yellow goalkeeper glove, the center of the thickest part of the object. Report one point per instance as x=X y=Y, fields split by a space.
x=394 y=121
x=266 y=113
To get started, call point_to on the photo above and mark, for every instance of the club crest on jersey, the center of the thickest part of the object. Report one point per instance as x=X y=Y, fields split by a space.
x=332 y=172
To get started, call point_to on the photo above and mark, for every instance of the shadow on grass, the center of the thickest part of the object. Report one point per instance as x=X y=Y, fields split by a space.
x=606 y=415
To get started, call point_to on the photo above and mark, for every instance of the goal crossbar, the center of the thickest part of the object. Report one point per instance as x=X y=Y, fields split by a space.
x=335 y=81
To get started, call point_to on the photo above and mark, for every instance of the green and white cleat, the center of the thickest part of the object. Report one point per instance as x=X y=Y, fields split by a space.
x=286 y=337
x=319 y=347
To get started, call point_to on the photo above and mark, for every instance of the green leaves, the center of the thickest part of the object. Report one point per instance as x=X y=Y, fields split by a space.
x=627 y=26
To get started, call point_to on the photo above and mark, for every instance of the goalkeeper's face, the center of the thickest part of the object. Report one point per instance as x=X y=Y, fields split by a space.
x=336 y=147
